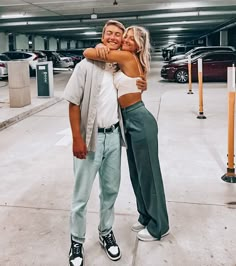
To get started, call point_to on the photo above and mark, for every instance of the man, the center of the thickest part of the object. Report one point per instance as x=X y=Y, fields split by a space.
x=94 y=120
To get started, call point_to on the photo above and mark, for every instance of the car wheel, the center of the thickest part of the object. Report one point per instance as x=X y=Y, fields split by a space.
x=181 y=76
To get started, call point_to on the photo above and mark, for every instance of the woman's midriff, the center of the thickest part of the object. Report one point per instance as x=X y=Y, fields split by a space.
x=129 y=99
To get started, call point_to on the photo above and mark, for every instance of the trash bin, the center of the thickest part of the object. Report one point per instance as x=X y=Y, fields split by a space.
x=19 y=83
x=44 y=78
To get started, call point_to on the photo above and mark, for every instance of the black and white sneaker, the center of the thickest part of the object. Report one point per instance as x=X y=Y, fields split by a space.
x=110 y=246
x=76 y=254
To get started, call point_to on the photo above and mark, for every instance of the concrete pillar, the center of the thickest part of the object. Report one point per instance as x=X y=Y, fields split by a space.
x=4 y=43
x=22 y=42
x=19 y=83
x=223 y=38
x=52 y=45
x=39 y=43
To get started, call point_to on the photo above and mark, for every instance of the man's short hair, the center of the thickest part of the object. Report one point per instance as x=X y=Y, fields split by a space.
x=115 y=23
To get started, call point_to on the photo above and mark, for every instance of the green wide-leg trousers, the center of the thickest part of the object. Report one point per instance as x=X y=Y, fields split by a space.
x=145 y=173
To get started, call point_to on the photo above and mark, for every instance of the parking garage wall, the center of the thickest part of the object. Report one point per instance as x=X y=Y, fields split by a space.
x=79 y=44
x=38 y=43
x=63 y=44
x=52 y=44
x=232 y=37
x=22 y=42
x=214 y=39
x=72 y=44
x=4 y=43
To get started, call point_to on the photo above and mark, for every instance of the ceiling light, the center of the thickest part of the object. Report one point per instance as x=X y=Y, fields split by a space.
x=94 y=15
x=186 y=5
x=12 y=16
x=171 y=15
x=90 y=33
x=175 y=29
x=115 y=3
x=173 y=36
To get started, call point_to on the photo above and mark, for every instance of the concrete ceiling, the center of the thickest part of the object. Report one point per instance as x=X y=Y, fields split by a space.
x=180 y=21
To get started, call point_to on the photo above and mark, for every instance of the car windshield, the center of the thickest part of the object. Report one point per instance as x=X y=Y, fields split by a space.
x=195 y=57
x=4 y=57
x=189 y=52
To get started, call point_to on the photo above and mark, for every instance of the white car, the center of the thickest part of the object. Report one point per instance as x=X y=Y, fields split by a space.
x=3 y=65
x=66 y=61
x=26 y=56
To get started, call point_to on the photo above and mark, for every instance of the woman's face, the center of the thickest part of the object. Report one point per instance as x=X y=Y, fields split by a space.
x=129 y=43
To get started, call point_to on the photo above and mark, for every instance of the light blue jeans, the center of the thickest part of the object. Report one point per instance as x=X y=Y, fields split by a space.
x=105 y=161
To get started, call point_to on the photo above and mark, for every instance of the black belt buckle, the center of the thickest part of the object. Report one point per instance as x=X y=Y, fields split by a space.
x=108 y=129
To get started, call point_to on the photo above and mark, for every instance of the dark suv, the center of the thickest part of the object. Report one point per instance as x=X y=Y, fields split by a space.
x=214 y=63
x=203 y=49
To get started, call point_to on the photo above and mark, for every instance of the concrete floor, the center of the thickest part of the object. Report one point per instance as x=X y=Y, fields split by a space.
x=37 y=181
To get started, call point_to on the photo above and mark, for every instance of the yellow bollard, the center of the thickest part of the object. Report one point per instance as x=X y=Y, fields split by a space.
x=189 y=75
x=230 y=176
x=200 y=90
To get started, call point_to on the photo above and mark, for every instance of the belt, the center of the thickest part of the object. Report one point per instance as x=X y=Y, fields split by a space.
x=108 y=129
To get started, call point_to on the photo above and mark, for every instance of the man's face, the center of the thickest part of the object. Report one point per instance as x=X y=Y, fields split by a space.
x=112 y=37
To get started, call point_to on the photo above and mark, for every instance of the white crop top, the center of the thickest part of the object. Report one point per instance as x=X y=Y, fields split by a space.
x=125 y=84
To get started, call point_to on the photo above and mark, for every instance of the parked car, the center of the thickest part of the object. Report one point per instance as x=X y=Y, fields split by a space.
x=53 y=56
x=76 y=51
x=66 y=61
x=176 y=49
x=41 y=55
x=165 y=51
x=75 y=58
x=31 y=57
x=214 y=67
x=198 y=50
x=3 y=65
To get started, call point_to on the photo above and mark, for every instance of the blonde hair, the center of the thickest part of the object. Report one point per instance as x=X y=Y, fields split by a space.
x=115 y=23
x=141 y=37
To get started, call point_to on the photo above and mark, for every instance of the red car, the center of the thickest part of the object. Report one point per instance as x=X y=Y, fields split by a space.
x=214 y=67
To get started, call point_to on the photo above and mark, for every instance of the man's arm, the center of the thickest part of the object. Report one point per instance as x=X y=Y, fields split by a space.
x=79 y=146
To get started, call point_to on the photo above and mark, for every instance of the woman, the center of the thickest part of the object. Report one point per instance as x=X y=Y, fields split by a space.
x=141 y=132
